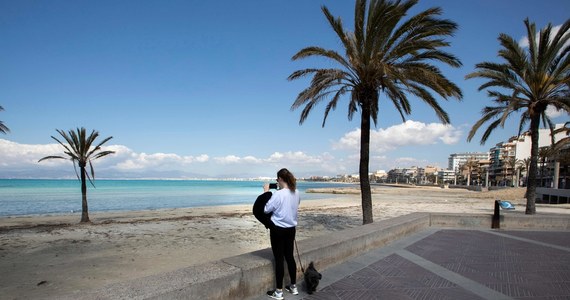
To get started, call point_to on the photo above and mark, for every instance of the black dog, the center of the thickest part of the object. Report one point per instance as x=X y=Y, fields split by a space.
x=312 y=278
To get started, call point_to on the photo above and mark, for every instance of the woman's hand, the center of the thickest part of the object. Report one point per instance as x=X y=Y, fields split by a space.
x=266 y=188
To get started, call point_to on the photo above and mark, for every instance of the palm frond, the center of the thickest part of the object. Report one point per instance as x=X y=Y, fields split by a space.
x=3 y=127
x=52 y=157
x=78 y=147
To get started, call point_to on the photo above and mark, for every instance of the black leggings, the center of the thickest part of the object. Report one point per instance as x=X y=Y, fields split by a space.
x=282 y=243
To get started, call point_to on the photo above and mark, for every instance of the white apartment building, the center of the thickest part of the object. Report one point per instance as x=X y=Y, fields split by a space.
x=446 y=176
x=523 y=142
x=517 y=148
x=455 y=160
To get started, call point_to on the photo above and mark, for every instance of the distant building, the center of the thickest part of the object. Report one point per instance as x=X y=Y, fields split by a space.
x=506 y=155
x=456 y=160
x=445 y=176
x=425 y=173
x=379 y=176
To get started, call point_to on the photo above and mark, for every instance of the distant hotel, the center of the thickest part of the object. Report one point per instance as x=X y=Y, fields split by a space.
x=457 y=160
x=506 y=163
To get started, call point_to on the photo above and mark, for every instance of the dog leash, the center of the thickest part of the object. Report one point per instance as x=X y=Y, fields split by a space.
x=299 y=256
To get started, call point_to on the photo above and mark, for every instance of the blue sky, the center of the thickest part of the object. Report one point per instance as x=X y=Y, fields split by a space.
x=199 y=88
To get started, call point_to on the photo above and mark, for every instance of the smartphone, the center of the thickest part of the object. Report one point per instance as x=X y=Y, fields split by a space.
x=273 y=186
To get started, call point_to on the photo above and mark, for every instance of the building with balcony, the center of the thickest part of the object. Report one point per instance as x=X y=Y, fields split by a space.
x=456 y=160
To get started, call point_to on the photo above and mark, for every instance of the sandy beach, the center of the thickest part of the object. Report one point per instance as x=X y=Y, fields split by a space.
x=43 y=257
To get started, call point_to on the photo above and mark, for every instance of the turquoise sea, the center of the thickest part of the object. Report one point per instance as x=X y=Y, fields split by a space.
x=40 y=197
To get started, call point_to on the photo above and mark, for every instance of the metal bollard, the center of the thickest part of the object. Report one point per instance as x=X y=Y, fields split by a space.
x=496 y=216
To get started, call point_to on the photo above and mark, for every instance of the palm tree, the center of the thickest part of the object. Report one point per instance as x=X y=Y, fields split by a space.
x=520 y=165
x=3 y=127
x=79 y=149
x=384 y=55
x=532 y=79
x=511 y=164
x=544 y=154
x=526 y=163
x=470 y=165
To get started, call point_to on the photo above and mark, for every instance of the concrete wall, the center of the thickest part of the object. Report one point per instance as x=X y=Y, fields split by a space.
x=552 y=196
x=251 y=274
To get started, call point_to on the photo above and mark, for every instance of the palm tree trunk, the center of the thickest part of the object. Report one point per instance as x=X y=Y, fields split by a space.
x=84 y=208
x=364 y=165
x=531 y=185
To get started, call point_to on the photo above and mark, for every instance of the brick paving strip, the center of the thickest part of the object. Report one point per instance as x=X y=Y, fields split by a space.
x=456 y=264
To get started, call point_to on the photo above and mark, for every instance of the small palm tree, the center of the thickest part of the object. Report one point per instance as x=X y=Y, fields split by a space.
x=80 y=150
x=384 y=55
x=533 y=80
x=470 y=165
x=3 y=127
x=544 y=154
x=519 y=167
x=526 y=164
x=511 y=164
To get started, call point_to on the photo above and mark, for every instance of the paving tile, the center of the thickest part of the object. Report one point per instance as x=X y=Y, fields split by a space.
x=559 y=238
x=512 y=267
x=393 y=278
x=493 y=262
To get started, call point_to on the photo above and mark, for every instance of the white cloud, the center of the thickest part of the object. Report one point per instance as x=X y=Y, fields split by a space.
x=403 y=162
x=14 y=154
x=523 y=42
x=406 y=134
x=126 y=159
x=22 y=160
x=231 y=159
x=552 y=112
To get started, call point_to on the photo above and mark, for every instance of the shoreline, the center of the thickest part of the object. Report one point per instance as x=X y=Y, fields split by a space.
x=68 y=218
x=53 y=256
x=340 y=197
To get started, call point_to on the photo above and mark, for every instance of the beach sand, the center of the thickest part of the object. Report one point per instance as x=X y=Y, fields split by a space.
x=43 y=257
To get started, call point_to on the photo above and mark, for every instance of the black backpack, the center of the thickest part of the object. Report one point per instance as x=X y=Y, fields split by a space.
x=258 y=210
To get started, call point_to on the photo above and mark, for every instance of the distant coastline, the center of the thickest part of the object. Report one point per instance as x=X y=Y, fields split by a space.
x=61 y=196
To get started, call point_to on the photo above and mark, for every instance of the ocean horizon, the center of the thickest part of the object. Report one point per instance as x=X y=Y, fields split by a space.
x=19 y=197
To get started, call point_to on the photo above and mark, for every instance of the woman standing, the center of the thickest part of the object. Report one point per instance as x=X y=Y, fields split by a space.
x=284 y=204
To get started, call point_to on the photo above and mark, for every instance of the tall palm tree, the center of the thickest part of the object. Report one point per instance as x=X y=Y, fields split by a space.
x=528 y=82
x=384 y=55
x=3 y=127
x=80 y=150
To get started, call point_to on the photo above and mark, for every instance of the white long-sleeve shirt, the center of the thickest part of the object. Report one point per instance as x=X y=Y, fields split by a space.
x=284 y=206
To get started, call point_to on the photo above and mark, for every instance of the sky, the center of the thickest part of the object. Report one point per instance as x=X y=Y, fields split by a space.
x=199 y=89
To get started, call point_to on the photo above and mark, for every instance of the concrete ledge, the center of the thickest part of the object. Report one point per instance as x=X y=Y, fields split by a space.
x=509 y=220
x=461 y=220
x=535 y=222
x=249 y=275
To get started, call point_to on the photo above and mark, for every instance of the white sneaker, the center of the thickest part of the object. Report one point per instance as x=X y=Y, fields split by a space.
x=292 y=289
x=275 y=294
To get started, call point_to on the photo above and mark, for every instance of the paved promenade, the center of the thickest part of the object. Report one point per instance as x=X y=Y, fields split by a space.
x=455 y=264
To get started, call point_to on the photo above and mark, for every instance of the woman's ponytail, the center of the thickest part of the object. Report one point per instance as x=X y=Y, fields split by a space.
x=288 y=177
